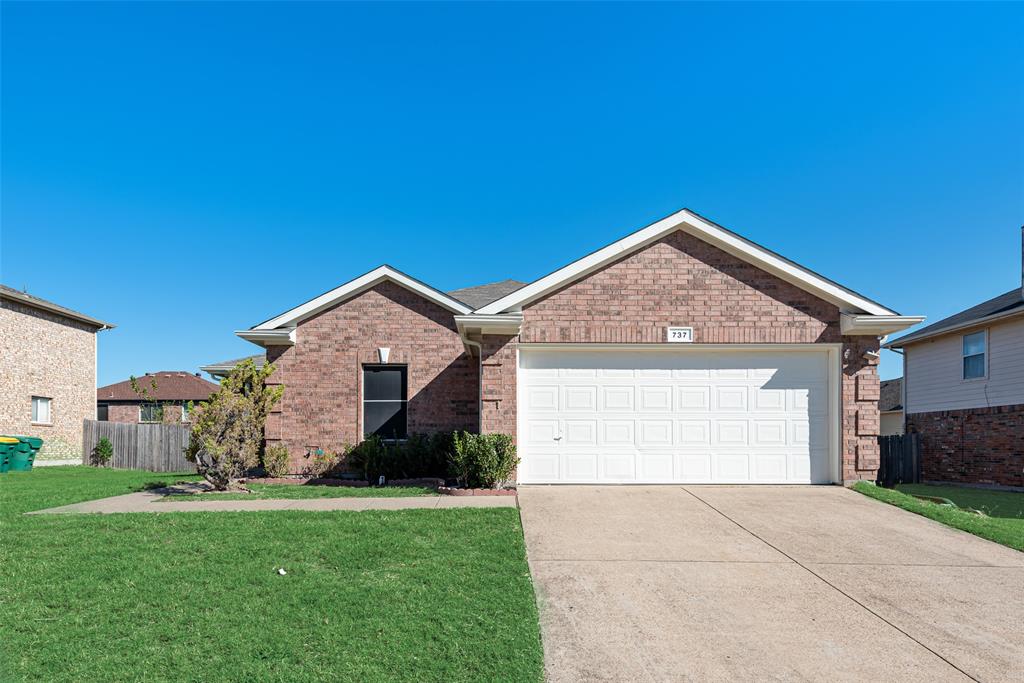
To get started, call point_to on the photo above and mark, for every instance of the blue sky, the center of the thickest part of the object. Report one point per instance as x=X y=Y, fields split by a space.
x=185 y=170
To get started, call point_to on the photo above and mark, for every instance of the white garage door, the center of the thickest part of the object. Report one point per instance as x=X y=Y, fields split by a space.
x=673 y=416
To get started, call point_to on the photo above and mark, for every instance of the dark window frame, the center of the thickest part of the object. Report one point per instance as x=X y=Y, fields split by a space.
x=401 y=415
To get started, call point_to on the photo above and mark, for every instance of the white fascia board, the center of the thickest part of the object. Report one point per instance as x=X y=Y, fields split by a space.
x=876 y=325
x=504 y=323
x=693 y=224
x=356 y=286
x=280 y=337
x=979 y=322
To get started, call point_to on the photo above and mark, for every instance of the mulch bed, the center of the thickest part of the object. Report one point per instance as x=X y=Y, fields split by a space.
x=430 y=482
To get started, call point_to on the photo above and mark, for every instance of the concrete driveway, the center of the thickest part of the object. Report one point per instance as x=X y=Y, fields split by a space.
x=726 y=583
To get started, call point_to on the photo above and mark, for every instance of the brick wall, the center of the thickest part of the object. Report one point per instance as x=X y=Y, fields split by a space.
x=322 y=371
x=681 y=280
x=43 y=354
x=129 y=412
x=975 y=446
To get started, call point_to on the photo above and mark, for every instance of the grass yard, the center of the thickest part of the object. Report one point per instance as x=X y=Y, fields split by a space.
x=293 y=491
x=412 y=595
x=1005 y=524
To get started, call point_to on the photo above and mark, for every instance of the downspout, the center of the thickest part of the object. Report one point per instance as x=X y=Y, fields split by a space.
x=479 y=382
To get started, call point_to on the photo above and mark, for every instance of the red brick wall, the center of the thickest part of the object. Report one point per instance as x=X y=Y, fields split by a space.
x=974 y=446
x=322 y=371
x=129 y=412
x=681 y=280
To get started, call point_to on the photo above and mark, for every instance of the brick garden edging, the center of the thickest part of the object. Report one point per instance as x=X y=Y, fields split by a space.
x=452 y=491
x=430 y=482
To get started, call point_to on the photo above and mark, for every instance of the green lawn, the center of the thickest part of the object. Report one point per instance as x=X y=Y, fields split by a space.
x=416 y=595
x=263 y=491
x=1007 y=504
x=1007 y=528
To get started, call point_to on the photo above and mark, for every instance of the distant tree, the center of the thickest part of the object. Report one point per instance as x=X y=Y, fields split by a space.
x=227 y=429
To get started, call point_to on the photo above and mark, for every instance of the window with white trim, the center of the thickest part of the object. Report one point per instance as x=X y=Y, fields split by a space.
x=41 y=410
x=385 y=401
x=151 y=413
x=974 y=347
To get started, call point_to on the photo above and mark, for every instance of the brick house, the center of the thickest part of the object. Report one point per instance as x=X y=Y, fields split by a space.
x=48 y=366
x=167 y=402
x=680 y=353
x=963 y=392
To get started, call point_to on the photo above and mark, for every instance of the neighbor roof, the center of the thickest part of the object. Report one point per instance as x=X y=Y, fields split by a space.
x=891 y=396
x=42 y=304
x=171 y=385
x=1010 y=303
x=481 y=295
x=225 y=366
x=712 y=233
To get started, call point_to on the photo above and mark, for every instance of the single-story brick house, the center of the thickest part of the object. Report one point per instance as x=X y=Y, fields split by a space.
x=168 y=402
x=680 y=353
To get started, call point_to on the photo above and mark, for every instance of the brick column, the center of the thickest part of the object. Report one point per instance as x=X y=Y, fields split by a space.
x=861 y=420
x=498 y=384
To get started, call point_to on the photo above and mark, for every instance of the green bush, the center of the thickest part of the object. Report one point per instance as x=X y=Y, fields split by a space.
x=275 y=460
x=322 y=463
x=482 y=460
x=418 y=456
x=102 y=452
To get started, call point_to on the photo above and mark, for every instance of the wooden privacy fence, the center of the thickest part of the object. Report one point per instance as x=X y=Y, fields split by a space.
x=151 y=447
x=900 y=461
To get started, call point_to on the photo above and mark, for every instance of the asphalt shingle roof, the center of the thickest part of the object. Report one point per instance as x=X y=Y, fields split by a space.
x=171 y=385
x=891 y=397
x=481 y=295
x=37 y=302
x=1001 y=304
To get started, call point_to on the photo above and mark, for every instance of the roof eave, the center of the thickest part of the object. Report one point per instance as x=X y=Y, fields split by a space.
x=876 y=325
x=265 y=338
x=59 y=310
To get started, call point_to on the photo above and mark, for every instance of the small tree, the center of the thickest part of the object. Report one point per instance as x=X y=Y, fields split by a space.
x=227 y=429
x=102 y=452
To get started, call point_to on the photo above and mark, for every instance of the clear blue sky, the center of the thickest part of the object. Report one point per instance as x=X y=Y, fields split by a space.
x=184 y=170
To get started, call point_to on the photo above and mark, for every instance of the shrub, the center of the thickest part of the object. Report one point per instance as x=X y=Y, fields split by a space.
x=227 y=429
x=102 y=452
x=420 y=455
x=482 y=460
x=322 y=463
x=275 y=460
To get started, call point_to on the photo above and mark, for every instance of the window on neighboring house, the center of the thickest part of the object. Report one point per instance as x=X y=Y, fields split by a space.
x=385 y=401
x=41 y=413
x=103 y=412
x=151 y=413
x=974 y=355
x=186 y=408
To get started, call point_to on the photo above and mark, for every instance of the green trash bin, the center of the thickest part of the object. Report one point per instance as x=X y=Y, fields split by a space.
x=25 y=452
x=7 y=445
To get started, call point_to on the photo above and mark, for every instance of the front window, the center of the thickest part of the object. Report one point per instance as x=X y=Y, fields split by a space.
x=385 y=401
x=151 y=413
x=974 y=355
x=41 y=410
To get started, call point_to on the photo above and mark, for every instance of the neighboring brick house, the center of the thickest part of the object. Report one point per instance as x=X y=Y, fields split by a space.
x=680 y=353
x=48 y=367
x=167 y=402
x=963 y=392
x=890 y=406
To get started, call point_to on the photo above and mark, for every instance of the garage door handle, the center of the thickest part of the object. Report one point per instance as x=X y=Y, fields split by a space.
x=557 y=438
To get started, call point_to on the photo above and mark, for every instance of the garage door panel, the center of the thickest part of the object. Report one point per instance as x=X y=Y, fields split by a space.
x=674 y=416
x=656 y=466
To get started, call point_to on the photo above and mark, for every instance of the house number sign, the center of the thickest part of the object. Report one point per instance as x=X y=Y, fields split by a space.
x=680 y=335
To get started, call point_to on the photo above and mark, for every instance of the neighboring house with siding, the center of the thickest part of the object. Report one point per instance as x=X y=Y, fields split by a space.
x=48 y=366
x=679 y=353
x=890 y=406
x=963 y=392
x=167 y=399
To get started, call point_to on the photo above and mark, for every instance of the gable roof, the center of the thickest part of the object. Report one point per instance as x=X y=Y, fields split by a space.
x=1004 y=305
x=360 y=284
x=481 y=295
x=223 y=367
x=42 y=304
x=891 y=395
x=171 y=385
x=714 y=234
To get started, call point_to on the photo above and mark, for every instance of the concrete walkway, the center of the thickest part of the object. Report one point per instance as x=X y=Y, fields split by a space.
x=720 y=583
x=150 y=501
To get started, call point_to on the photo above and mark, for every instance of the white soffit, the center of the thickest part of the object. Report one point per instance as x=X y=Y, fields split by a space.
x=693 y=224
x=358 y=285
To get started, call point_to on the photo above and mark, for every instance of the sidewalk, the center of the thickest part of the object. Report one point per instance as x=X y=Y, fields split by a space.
x=149 y=501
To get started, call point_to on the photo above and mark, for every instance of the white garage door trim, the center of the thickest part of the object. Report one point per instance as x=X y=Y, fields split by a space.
x=831 y=352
